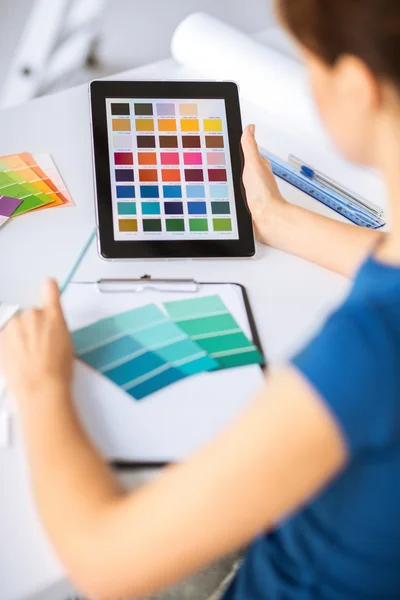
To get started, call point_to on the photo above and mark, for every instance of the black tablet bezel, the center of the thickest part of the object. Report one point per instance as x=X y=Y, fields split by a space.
x=244 y=247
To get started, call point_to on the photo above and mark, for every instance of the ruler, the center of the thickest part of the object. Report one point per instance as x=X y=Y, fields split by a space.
x=337 y=202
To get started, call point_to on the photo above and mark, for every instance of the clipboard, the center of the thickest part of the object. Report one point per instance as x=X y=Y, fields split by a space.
x=172 y=423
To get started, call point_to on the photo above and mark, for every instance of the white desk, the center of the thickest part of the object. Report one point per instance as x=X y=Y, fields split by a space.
x=289 y=296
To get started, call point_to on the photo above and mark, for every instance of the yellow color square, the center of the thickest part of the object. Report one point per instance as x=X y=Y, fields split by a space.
x=190 y=125
x=144 y=125
x=212 y=125
x=126 y=225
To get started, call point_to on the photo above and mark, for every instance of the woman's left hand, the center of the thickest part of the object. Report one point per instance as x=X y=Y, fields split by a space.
x=266 y=203
x=36 y=349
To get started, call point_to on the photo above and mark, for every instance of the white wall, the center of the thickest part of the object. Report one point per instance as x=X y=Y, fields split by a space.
x=139 y=31
x=134 y=32
x=13 y=18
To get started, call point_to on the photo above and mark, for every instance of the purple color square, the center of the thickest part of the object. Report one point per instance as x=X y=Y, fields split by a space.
x=8 y=205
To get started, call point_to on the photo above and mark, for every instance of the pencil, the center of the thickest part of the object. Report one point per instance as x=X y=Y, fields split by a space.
x=77 y=262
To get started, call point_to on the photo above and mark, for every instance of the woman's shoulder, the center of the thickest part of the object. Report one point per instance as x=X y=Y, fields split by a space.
x=354 y=364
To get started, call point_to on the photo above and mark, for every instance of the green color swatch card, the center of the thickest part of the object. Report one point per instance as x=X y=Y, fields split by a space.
x=208 y=322
x=13 y=185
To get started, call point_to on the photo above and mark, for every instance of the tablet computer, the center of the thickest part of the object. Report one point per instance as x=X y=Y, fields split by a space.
x=168 y=170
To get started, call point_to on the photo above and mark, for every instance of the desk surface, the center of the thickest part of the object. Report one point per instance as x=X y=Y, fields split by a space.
x=290 y=297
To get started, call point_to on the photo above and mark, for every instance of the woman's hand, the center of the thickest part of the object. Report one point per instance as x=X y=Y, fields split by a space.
x=36 y=349
x=263 y=196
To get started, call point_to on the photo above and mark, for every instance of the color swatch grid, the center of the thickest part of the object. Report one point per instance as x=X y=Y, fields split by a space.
x=145 y=350
x=34 y=181
x=171 y=170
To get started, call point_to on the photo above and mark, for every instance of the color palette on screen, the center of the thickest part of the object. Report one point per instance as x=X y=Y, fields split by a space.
x=144 y=350
x=170 y=161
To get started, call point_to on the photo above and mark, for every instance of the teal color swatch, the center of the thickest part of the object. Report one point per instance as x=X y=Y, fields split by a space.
x=141 y=351
x=144 y=350
x=207 y=321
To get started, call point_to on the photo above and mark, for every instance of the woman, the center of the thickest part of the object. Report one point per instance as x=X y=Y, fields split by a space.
x=311 y=470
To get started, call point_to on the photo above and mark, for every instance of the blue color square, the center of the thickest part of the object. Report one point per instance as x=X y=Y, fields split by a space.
x=219 y=191
x=199 y=365
x=151 y=208
x=195 y=191
x=173 y=208
x=125 y=191
x=137 y=367
x=183 y=351
x=111 y=352
x=155 y=383
x=197 y=208
x=172 y=191
x=149 y=191
x=95 y=335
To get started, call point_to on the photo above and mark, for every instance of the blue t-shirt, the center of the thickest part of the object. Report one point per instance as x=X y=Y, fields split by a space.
x=345 y=545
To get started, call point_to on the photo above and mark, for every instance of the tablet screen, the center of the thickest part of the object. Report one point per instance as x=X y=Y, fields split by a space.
x=170 y=167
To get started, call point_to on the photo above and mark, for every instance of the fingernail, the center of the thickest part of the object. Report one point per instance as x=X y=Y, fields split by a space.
x=252 y=129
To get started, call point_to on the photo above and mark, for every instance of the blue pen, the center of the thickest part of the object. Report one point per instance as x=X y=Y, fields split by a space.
x=77 y=262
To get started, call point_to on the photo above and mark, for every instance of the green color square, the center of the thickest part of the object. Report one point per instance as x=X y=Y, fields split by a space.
x=198 y=224
x=241 y=359
x=14 y=191
x=209 y=325
x=195 y=307
x=127 y=208
x=224 y=343
x=4 y=179
x=220 y=208
x=13 y=185
x=150 y=225
x=175 y=225
x=29 y=203
x=29 y=187
x=222 y=224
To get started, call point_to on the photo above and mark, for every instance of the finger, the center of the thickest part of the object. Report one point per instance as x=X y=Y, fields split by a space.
x=12 y=331
x=30 y=318
x=13 y=324
x=249 y=144
x=51 y=298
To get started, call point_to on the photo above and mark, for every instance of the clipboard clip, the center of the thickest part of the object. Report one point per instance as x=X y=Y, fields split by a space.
x=146 y=284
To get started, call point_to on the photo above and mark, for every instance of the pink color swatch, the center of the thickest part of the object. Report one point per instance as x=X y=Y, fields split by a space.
x=169 y=158
x=192 y=158
x=216 y=158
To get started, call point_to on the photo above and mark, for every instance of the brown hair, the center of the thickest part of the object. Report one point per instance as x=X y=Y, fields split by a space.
x=368 y=29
